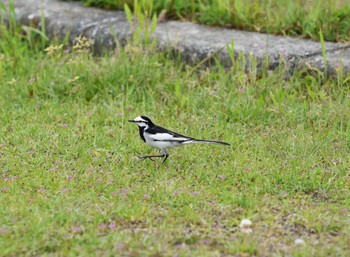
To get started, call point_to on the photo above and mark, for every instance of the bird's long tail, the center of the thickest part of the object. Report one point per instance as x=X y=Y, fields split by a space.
x=209 y=142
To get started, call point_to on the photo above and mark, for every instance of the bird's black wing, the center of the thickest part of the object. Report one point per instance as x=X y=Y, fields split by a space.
x=175 y=136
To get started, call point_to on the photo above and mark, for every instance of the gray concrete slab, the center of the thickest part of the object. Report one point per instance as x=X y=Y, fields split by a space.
x=337 y=61
x=194 y=42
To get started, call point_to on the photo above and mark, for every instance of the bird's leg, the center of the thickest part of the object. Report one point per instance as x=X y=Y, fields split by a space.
x=166 y=157
x=150 y=156
x=165 y=154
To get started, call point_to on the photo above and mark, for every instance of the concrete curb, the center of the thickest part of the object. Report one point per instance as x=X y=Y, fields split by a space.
x=194 y=42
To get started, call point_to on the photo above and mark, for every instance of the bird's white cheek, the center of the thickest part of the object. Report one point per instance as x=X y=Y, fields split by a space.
x=143 y=125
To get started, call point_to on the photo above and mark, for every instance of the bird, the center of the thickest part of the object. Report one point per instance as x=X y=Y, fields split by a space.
x=163 y=138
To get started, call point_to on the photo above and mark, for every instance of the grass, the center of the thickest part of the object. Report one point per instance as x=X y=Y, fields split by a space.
x=71 y=184
x=284 y=17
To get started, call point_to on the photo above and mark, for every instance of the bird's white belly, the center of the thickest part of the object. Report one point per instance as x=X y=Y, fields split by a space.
x=160 y=144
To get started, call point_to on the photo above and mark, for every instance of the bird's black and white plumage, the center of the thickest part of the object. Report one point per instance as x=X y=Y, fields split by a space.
x=162 y=138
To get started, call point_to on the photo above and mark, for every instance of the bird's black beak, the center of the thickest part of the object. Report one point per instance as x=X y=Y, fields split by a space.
x=131 y=121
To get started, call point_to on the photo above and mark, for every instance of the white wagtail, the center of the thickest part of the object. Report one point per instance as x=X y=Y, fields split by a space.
x=163 y=139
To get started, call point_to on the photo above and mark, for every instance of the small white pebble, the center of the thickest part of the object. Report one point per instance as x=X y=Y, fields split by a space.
x=245 y=223
x=299 y=241
x=245 y=226
x=31 y=16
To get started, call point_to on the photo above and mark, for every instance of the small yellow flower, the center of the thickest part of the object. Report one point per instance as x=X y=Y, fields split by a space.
x=82 y=43
x=73 y=79
x=12 y=82
x=54 y=50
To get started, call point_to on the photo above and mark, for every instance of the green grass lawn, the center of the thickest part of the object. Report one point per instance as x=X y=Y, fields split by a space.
x=284 y=17
x=71 y=183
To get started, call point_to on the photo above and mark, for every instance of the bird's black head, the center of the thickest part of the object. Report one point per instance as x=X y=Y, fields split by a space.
x=142 y=121
x=146 y=119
